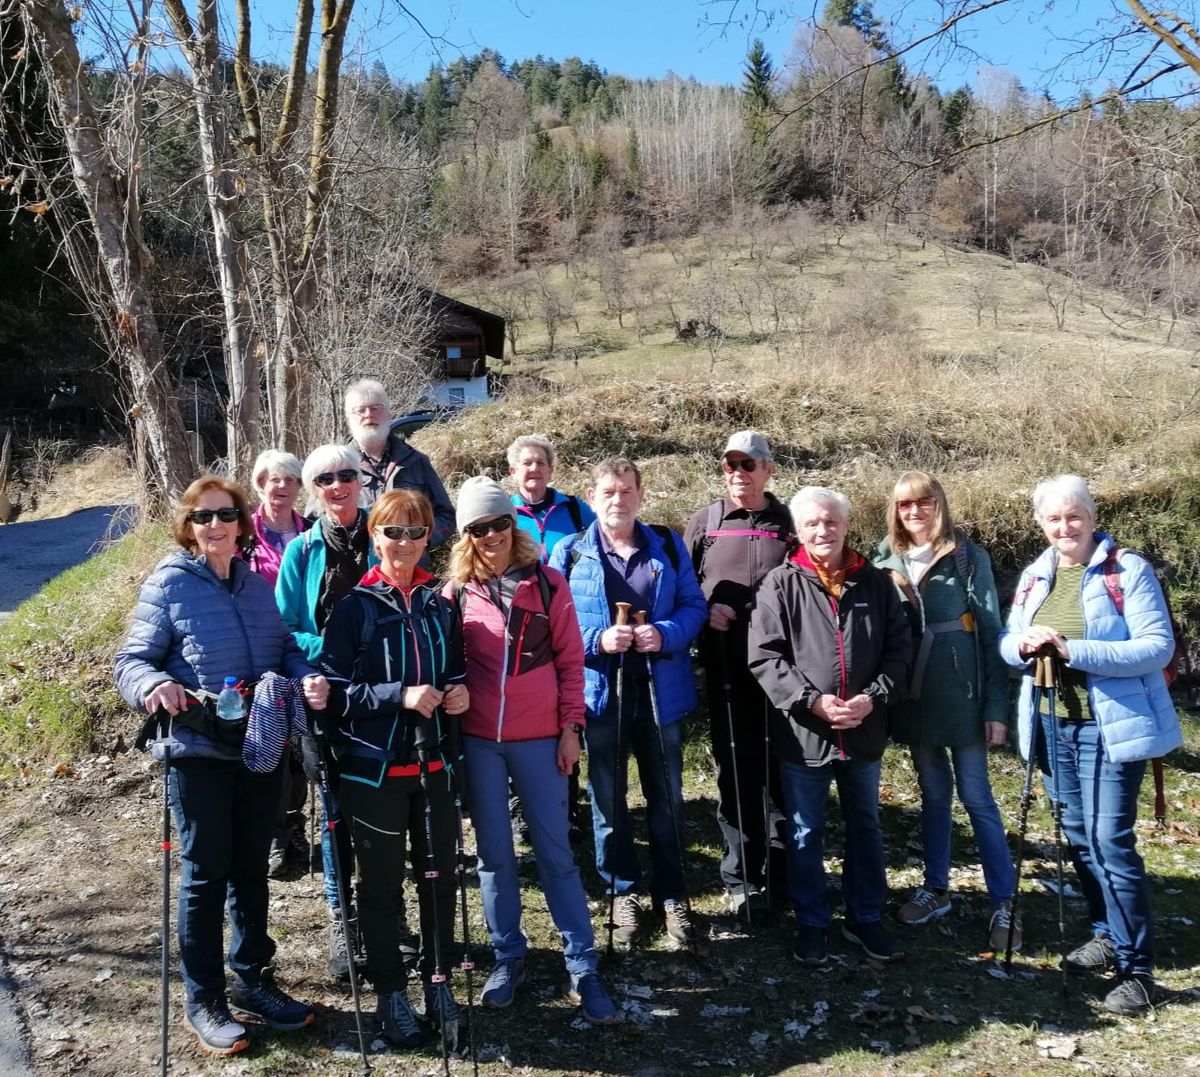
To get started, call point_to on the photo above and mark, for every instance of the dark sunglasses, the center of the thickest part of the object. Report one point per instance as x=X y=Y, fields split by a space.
x=500 y=523
x=915 y=503
x=204 y=516
x=347 y=474
x=732 y=465
x=412 y=532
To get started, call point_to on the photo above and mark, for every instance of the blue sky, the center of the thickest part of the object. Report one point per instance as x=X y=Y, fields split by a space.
x=1039 y=41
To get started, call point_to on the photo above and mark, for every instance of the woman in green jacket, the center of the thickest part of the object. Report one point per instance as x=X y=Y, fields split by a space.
x=955 y=706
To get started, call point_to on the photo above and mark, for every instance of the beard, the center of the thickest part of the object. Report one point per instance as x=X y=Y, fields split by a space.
x=371 y=439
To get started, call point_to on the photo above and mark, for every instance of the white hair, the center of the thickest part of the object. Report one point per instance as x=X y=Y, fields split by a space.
x=367 y=391
x=282 y=463
x=335 y=456
x=1063 y=490
x=531 y=441
x=818 y=495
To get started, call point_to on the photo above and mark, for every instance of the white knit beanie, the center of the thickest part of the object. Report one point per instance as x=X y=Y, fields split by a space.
x=481 y=498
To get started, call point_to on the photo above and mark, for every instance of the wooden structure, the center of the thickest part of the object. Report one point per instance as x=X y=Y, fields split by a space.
x=464 y=338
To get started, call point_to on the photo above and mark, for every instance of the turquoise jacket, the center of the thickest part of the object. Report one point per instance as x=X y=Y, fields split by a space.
x=1122 y=656
x=556 y=523
x=679 y=612
x=299 y=586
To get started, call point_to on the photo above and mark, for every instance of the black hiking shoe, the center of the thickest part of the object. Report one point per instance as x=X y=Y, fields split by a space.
x=629 y=916
x=1134 y=995
x=277 y=859
x=214 y=1026
x=1095 y=955
x=810 y=945
x=874 y=939
x=441 y=1013
x=275 y=1007
x=396 y=1018
x=339 y=956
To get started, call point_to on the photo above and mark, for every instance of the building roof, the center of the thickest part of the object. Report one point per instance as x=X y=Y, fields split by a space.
x=452 y=315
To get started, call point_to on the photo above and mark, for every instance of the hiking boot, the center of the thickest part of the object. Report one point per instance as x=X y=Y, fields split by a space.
x=502 y=984
x=441 y=1013
x=629 y=915
x=214 y=1026
x=1134 y=995
x=277 y=859
x=1002 y=918
x=298 y=849
x=396 y=1018
x=677 y=919
x=874 y=939
x=749 y=906
x=275 y=1007
x=810 y=945
x=339 y=955
x=589 y=992
x=519 y=826
x=1095 y=955
x=923 y=906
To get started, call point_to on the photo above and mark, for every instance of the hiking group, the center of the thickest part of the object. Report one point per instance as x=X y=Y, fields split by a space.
x=564 y=627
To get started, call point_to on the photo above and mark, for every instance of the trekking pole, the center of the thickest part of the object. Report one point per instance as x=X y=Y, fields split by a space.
x=622 y=618
x=431 y=875
x=467 y=964
x=312 y=824
x=727 y=687
x=1046 y=679
x=768 y=829
x=1026 y=800
x=332 y=819
x=640 y=618
x=166 y=902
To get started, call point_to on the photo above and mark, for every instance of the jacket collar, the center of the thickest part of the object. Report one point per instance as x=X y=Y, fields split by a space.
x=374 y=580
x=1047 y=562
x=854 y=561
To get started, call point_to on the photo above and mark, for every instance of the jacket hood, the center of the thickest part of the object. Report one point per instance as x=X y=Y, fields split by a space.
x=854 y=561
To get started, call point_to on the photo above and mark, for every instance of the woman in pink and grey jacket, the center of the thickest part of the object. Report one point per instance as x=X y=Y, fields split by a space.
x=524 y=657
x=276 y=477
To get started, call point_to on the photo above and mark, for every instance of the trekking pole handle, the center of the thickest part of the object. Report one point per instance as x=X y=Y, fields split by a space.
x=1045 y=674
x=623 y=609
x=639 y=618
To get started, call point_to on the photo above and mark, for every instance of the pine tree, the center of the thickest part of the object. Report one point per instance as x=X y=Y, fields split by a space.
x=757 y=79
x=434 y=113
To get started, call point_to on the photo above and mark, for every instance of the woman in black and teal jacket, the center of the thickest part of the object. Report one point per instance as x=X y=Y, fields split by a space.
x=393 y=652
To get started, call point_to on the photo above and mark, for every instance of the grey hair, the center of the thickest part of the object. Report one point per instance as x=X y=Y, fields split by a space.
x=367 y=391
x=818 y=495
x=332 y=457
x=275 y=460
x=531 y=441
x=1064 y=490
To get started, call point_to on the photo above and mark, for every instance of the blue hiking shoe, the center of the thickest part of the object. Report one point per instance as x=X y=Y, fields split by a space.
x=502 y=984
x=277 y=1009
x=214 y=1026
x=874 y=939
x=588 y=991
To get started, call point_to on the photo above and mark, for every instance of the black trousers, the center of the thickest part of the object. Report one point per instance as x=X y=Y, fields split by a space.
x=387 y=822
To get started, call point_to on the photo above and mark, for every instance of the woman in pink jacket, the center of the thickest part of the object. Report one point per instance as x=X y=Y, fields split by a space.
x=525 y=677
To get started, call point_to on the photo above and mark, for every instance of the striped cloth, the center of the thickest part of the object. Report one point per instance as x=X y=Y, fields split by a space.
x=277 y=715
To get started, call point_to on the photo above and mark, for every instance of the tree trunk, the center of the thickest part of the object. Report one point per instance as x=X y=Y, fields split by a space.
x=110 y=194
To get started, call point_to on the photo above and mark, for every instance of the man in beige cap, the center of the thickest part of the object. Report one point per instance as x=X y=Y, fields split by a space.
x=734 y=543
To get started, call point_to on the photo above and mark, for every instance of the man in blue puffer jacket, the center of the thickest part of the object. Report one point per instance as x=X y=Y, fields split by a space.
x=620 y=559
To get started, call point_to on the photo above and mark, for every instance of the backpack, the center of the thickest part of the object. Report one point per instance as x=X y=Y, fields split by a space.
x=544 y=589
x=1178 y=664
x=665 y=534
x=576 y=514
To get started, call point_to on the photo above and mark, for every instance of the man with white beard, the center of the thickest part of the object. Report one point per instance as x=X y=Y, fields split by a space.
x=389 y=462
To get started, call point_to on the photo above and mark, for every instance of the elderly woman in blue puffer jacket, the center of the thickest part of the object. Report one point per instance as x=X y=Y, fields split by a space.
x=1113 y=713
x=203 y=616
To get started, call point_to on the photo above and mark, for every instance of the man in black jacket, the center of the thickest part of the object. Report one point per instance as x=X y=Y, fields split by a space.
x=830 y=645
x=734 y=543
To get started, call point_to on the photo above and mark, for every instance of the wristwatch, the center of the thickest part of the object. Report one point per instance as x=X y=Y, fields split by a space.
x=575 y=728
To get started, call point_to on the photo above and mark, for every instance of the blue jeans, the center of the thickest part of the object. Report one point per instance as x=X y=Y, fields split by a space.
x=864 y=882
x=533 y=767
x=607 y=775
x=225 y=817
x=1099 y=809
x=975 y=791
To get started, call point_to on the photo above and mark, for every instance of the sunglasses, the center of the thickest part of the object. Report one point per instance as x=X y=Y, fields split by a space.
x=346 y=475
x=915 y=503
x=204 y=516
x=730 y=466
x=500 y=523
x=396 y=532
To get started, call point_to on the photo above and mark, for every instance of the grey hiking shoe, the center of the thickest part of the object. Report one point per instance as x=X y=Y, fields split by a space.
x=339 y=955
x=1134 y=995
x=677 y=918
x=629 y=916
x=277 y=859
x=923 y=906
x=1095 y=955
x=502 y=984
x=396 y=1018
x=441 y=1013
x=214 y=1026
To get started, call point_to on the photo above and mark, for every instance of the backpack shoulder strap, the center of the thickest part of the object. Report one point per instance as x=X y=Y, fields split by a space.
x=712 y=522
x=574 y=511
x=544 y=586
x=573 y=554
x=668 y=541
x=905 y=586
x=1112 y=579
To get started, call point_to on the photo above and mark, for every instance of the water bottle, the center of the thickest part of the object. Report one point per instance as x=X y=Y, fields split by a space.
x=231 y=707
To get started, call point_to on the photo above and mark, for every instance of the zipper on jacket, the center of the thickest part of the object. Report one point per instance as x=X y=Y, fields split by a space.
x=837 y=627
